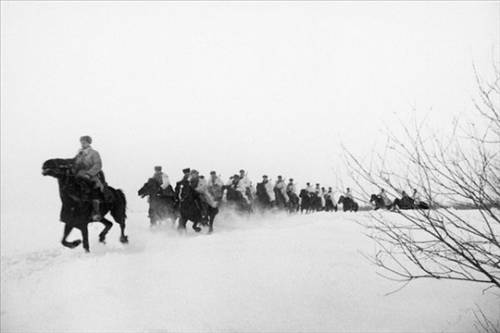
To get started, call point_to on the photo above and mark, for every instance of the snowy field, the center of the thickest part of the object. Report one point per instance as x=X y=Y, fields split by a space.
x=270 y=273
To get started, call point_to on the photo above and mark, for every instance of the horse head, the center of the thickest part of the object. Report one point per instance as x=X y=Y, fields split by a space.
x=373 y=198
x=57 y=167
x=149 y=188
x=341 y=199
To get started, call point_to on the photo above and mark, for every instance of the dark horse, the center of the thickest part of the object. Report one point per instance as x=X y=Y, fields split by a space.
x=408 y=203
x=378 y=202
x=316 y=202
x=293 y=202
x=281 y=202
x=236 y=198
x=262 y=200
x=190 y=209
x=330 y=206
x=305 y=201
x=348 y=204
x=161 y=201
x=77 y=204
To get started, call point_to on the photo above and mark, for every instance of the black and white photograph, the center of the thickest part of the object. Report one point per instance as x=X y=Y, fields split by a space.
x=249 y=166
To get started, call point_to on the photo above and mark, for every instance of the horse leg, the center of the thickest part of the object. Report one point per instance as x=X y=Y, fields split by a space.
x=64 y=242
x=123 y=237
x=107 y=226
x=212 y=215
x=151 y=215
x=182 y=223
x=85 y=235
x=211 y=222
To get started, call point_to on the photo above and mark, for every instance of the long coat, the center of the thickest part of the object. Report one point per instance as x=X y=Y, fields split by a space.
x=89 y=161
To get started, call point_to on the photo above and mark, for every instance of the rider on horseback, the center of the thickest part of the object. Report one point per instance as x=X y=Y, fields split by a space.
x=329 y=194
x=329 y=200
x=88 y=166
x=417 y=200
x=323 y=198
x=265 y=193
x=290 y=188
x=281 y=188
x=215 y=187
x=161 y=178
x=348 y=193
x=245 y=186
x=201 y=187
x=181 y=183
x=385 y=198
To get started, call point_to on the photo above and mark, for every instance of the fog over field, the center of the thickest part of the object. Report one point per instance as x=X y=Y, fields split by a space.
x=276 y=88
x=272 y=88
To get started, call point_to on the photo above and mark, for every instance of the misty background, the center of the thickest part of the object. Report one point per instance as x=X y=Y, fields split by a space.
x=274 y=88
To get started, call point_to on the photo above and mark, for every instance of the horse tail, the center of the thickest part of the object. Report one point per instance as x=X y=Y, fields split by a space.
x=119 y=210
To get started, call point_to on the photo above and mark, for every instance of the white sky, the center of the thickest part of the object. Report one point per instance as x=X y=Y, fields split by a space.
x=269 y=87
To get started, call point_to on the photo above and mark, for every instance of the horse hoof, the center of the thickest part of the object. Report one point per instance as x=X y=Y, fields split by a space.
x=197 y=229
x=72 y=244
x=210 y=230
x=124 y=239
x=102 y=239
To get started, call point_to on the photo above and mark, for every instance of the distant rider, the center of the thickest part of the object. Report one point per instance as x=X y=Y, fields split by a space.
x=265 y=192
x=161 y=177
x=417 y=199
x=281 y=187
x=348 y=193
x=290 y=187
x=385 y=198
x=215 y=187
x=200 y=185
x=182 y=183
x=245 y=186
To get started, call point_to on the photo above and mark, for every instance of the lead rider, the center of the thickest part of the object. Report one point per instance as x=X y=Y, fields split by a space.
x=88 y=165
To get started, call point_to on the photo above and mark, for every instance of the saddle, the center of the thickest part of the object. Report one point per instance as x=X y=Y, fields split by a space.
x=89 y=190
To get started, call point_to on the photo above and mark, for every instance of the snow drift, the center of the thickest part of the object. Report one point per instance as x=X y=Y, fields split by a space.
x=264 y=273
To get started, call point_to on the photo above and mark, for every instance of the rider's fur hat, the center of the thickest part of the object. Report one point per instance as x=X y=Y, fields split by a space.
x=186 y=170
x=86 y=138
x=213 y=172
x=291 y=179
x=157 y=168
